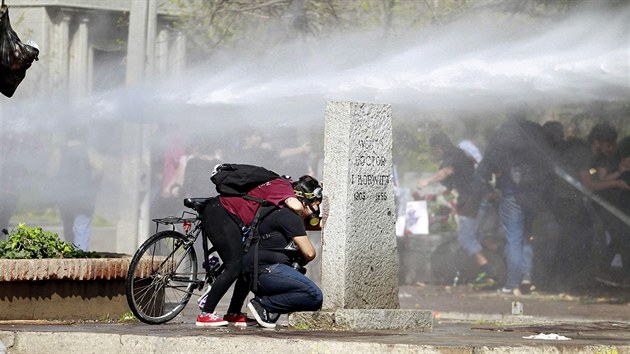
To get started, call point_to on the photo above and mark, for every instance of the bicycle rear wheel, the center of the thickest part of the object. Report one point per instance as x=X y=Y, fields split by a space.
x=161 y=278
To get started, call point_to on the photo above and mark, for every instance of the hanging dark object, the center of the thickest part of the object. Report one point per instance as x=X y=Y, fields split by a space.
x=15 y=56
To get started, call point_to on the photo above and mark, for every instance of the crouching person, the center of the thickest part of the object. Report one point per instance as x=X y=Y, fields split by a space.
x=282 y=251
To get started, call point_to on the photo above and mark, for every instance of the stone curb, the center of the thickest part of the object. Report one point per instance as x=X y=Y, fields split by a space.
x=63 y=269
x=49 y=342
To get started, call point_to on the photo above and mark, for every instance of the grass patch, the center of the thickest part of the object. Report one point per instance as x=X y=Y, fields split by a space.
x=127 y=317
x=302 y=327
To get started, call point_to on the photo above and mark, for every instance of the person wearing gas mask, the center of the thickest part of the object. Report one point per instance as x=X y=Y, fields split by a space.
x=221 y=223
x=276 y=262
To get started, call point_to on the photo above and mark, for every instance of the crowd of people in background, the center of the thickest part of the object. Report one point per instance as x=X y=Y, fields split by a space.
x=64 y=174
x=186 y=163
x=551 y=191
x=563 y=203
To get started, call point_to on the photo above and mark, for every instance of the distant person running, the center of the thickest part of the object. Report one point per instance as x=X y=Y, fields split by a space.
x=456 y=173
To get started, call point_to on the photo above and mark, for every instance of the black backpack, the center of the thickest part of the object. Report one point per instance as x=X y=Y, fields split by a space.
x=233 y=179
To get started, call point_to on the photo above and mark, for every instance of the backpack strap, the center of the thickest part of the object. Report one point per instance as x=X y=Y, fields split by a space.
x=254 y=284
x=258 y=200
x=265 y=209
x=255 y=280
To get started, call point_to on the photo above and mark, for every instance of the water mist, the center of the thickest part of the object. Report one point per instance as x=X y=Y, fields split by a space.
x=479 y=63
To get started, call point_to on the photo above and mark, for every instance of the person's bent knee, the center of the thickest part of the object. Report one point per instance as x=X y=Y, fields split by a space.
x=318 y=303
x=317 y=298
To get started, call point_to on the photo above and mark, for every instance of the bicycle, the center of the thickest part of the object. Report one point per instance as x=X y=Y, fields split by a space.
x=163 y=275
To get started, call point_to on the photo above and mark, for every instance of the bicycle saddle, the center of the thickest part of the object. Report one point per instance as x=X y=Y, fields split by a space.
x=197 y=204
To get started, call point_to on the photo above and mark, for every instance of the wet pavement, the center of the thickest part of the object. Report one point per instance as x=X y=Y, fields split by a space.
x=466 y=321
x=462 y=302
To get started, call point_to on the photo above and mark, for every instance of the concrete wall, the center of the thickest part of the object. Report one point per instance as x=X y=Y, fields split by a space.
x=57 y=289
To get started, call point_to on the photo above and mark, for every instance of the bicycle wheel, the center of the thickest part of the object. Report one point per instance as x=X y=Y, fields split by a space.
x=162 y=277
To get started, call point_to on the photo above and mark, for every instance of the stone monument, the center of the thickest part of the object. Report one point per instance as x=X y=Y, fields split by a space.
x=359 y=259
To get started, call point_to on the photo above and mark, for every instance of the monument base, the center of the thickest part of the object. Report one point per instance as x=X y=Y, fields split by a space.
x=364 y=319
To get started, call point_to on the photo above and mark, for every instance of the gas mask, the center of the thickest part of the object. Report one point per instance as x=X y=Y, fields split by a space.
x=313 y=219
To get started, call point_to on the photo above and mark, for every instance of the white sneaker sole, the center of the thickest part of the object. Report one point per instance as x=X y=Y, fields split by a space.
x=243 y=324
x=211 y=324
x=258 y=319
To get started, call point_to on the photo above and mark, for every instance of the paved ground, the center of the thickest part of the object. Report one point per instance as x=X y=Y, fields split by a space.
x=462 y=302
x=466 y=321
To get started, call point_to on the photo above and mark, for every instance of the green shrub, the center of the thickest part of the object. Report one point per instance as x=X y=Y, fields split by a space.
x=35 y=243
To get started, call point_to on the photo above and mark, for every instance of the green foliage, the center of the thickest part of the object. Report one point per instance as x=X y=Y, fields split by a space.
x=127 y=317
x=258 y=26
x=35 y=243
x=216 y=24
x=261 y=25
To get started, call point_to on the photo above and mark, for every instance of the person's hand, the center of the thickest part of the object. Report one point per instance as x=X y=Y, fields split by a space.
x=493 y=195
x=176 y=190
x=422 y=183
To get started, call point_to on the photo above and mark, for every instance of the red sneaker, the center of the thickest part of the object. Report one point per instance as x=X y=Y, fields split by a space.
x=239 y=320
x=210 y=320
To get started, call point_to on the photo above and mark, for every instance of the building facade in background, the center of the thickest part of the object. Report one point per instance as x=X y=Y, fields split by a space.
x=88 y=47
x=84 y=43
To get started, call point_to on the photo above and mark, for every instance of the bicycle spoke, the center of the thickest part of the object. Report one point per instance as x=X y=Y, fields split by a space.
x=163 y=275
x=140 y=292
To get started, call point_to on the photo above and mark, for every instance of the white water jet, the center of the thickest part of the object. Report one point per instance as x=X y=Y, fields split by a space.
x=467 y=65
x=479 y=63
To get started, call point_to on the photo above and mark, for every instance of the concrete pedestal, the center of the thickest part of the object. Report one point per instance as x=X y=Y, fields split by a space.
x=359 y=256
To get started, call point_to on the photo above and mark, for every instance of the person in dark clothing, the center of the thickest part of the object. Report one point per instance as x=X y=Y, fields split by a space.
x=456 y=173
x=220 y=223
x=199 y=164
x=603 y=178
x=554 y=133
x=618 y=228
x=519 y=157
x=255 y=147
x=281 y=253
x=78 y=182
x=582 y=255
x=602 y=138
x=576 y=219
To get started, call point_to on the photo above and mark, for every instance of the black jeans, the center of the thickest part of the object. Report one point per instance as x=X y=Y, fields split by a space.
x=225 y=235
